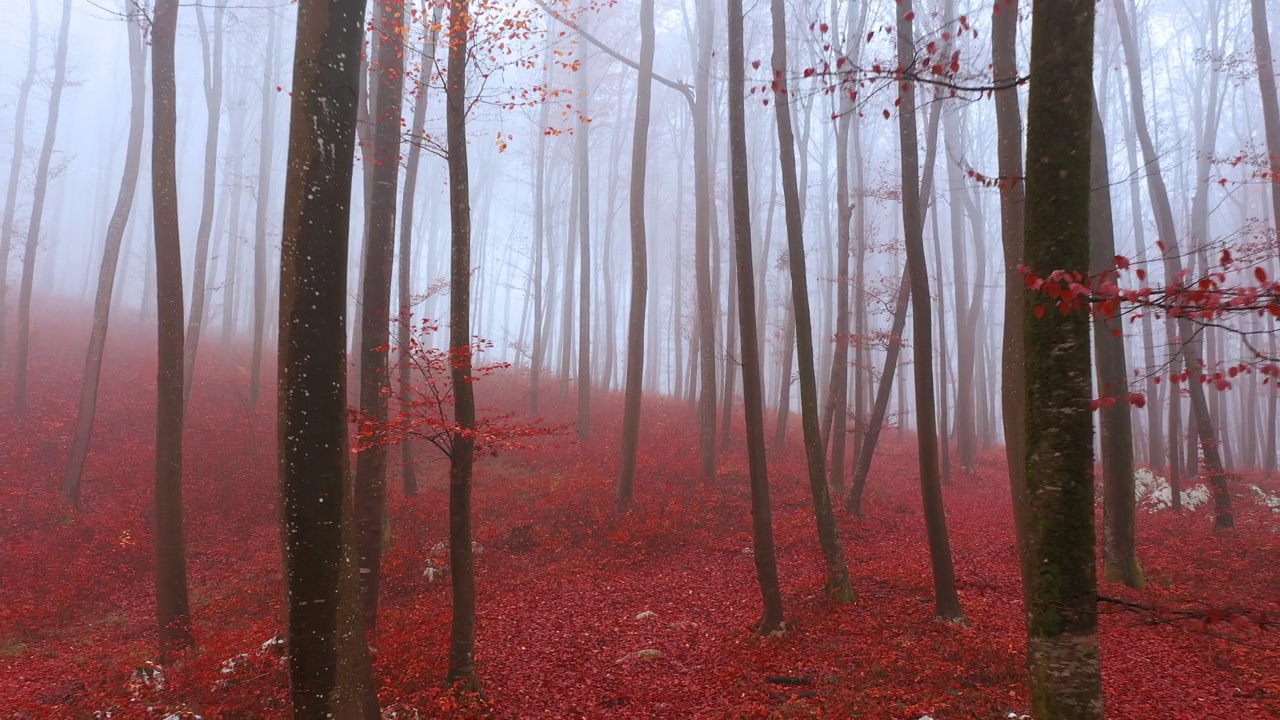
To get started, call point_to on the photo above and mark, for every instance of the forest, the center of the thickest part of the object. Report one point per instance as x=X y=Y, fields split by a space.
x=404 y=359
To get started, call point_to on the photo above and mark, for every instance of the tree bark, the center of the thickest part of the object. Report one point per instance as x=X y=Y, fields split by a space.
x=110 y=257
x=703 y=209
x=1119 y=546
x=329 y=670
x=266 y=138
x=1066 y=677
x=1004 y=63
x=462 y=635
x=752 y=385
x=639 y=264
x=32 y=245
x=380 y=229
x=173 y=609
x=582 y=150
x=212 y=60
x=947 y=601
x=1271 y=125
x=15 y=166
x=838 y=586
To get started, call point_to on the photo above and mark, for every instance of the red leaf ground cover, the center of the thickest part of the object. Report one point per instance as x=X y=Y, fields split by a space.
x=567 y=588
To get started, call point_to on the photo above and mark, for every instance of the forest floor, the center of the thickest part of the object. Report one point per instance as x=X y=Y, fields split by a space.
x=567 y=587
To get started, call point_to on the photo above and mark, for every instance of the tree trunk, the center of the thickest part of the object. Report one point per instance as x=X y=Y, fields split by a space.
x=838 y=587
x=380 y=229
x=539 y=279
x=266 y=138
x=1066 y=676
x=1119 y=546
x=944 y=361
x=32 y=246
x=173 y=609
x=1271 y=124
x=582 y=151
x=947 y=601
x=639 y=264
x=15 y=167
x=704 y=207
x=1191 y=342
x=408 y=472
x=110 y=257
x=1004 y=63
x=329 y=670
x=462 y=636
x=212 y=60
x=752 y=385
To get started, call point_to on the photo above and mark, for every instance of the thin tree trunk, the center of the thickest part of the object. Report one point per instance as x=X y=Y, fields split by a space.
x=947 y=601
x=639 y=263
x=110 y=257
x=838 y=586
x=582 y=151
x=1004 y=63
x=752 y=386
x=944 y=361
x=1119 y=546
x=703 y=209
x=212 y=60
x=266 y=138
x=32 y=245
x=15 y=167
x=462 y=636
x=329 y=670
x=408 y=471
x=1062 y=612
x=173 y=610
x=380 y=230
x=1191 y=342
x=1271 y=124
x=539 y=208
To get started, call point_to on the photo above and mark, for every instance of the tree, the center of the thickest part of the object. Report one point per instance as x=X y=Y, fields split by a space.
x=1004 y=70
x=15 y=166
x=32 y=246
x=838 y=586
x=1119 y=545
x=704 y=210
x=110 y=257
x=582 y=160
x=1189 y=341
x=265 y=150
x=462 y=635
x=212 y=60
x=329 y=671
x=944 y=581
x=639 y=264
x=1271 y=124
x=430 y=32
x=172 y=604
x=375 y=297
x=1066 y=679
x=752 y=385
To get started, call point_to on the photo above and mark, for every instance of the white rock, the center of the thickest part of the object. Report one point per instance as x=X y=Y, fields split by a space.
x=647 y=614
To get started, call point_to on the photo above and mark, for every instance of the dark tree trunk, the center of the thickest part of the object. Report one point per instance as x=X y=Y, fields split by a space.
x=583 y=158
x=173 y=609
x=462 y=634
x=1271 y=123
x=110 y=257
x=639 y=264
x=212 y=60
x=703 y=209
x=838 y=586
x=752 y=386
x=1119 y=546
x=329 y=671
x=380 y=229
x=1066 y=677
x=32 y=245
x=404 y=281
x=1004 y=62
x=15 y=167
x=266 y=137
x=944 y=581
